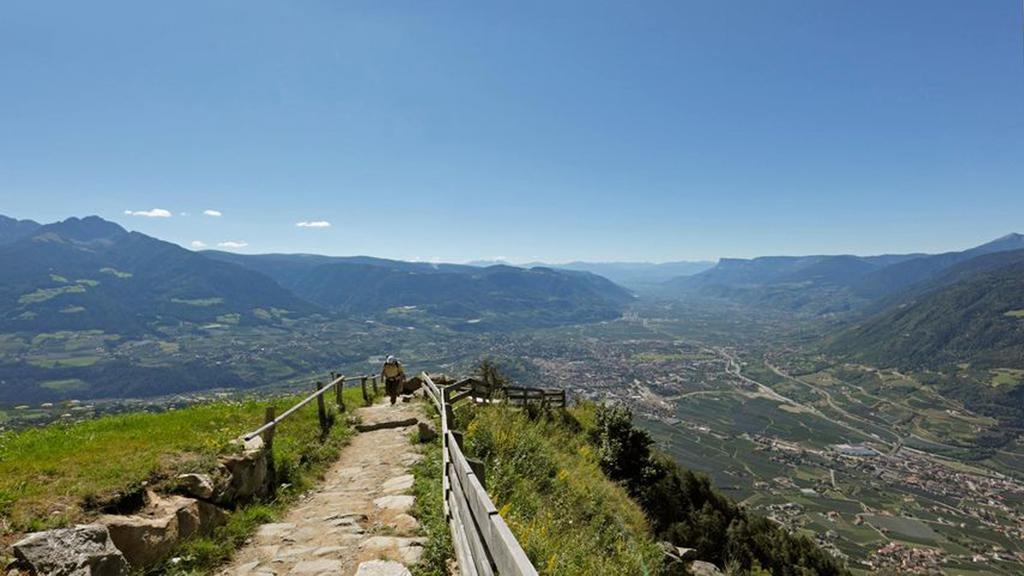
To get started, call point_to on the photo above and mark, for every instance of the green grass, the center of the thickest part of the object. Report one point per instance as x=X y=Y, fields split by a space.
x=115 y=272
x=76 y=362
x=546 y=481
x=1015 y=313
x=1006 y=376
x=44 y=294
x=429 y=510
x=49 y=475
x=68 y=385
x=202 y=302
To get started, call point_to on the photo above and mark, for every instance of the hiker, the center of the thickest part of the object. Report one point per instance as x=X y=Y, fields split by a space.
x=393 y=376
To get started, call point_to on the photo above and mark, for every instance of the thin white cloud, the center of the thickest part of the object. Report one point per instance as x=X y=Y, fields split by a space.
x=214 y=213
x=154 y=213
x=183 y=213
x=314 y=224
x=233 y=244
x=197 y=244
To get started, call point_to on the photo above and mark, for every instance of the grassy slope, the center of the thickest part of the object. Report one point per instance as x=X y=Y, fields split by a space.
x=50 y=476
x=429 y=508
x=545 y=479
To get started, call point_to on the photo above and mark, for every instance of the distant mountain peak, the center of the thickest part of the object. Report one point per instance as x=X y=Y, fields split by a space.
x=88 y=229
x=1011 y=241
x=12 y=229
x=1012 y=236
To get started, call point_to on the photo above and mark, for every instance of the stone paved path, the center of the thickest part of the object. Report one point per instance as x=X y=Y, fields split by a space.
x=356 y=522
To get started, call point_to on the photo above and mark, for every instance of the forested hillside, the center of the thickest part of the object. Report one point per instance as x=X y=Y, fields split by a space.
x=830 y=285
x=468 y=297
x=976 y=315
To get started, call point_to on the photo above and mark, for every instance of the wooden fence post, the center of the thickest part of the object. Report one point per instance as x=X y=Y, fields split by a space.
x=268 y=435
x=374 y=385
x=366 y=397
x=321 y=409
x=477 y=466
x=339 y=392
x=449 y=415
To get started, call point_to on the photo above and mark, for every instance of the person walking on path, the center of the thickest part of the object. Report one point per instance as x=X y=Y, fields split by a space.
x=393 y=376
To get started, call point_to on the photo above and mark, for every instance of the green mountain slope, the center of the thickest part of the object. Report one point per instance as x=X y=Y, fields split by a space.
x=973 y=313
x=828 y=284
x=549 y=473
x=90 y=274
x=12 y=230
x=496 y=297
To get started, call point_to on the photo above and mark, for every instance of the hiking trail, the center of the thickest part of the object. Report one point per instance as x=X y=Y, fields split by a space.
x=356 y=521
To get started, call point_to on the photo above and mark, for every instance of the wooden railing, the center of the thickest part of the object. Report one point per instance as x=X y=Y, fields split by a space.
x=518 y=395
x=483 y=543
x=337 y=384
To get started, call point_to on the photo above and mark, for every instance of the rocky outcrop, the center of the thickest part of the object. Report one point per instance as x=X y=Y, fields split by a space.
x=245 y=476
x=241 y=478
x=199 y=486
x=149 y=536
x=156 y=524
x=84 y=550
x=676 y=555
x=702 y=568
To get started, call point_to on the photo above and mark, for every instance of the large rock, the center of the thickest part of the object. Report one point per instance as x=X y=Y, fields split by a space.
x=80 y=551
x=702 y=568
x=676 y=554
x=247 y=474
x=382 y=568
x=199 y=486
x=149 y=536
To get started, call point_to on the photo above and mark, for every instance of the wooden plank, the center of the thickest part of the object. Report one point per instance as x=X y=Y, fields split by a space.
x=462 y=553
x=474 y=493
x=445 y=490
x=268 y=435
x=461 y=396
x=507 y=553
x=481 y=506
x=462 y=512
x=321 y=409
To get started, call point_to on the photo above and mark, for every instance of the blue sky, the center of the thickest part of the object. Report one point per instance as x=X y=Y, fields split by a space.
x=525 y=130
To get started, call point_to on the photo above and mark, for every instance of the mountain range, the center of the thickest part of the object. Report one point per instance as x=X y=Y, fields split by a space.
x=88 y=273
x=908 y=310
x=640 y=276
x=498 y=296
x=822 y=284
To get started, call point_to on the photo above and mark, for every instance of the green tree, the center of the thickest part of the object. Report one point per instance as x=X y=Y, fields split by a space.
x=489 y=373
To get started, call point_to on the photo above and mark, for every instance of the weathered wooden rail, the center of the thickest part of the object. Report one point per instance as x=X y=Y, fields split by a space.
x=337 y=384
x=484 y=544
x=481 y=391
